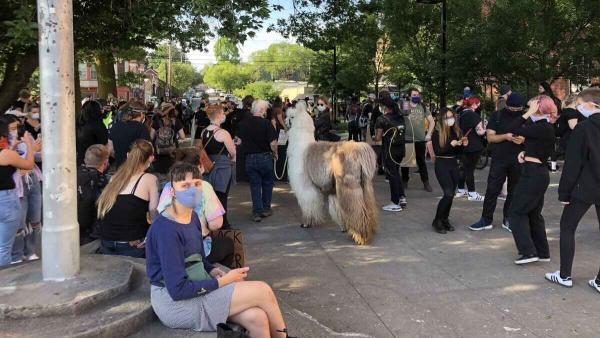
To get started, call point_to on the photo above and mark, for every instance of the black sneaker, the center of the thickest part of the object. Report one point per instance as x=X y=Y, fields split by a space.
x=266 y=213
x=427 y=187
x=526 y=259
x=403 y=202
x=438 y=226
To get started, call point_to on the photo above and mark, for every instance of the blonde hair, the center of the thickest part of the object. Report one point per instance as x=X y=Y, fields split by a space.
x=95 y=155
x=139 y=153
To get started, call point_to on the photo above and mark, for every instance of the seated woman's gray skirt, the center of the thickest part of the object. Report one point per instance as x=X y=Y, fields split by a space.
x=201 y=313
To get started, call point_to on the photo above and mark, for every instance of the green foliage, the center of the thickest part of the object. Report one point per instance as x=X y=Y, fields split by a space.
x=283 y=61
x=226 y=50
x=161 y=54
x=229 y=76
x=183 y=75
x=260 y=90
x=129 y=79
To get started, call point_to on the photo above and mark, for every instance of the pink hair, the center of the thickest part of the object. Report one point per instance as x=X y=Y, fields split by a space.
x=547 y=107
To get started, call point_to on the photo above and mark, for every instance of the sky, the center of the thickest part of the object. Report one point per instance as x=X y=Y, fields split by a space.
x=261 y=40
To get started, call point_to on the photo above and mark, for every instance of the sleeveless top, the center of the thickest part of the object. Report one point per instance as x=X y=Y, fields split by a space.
x=213 y=147
x=6 y=177
x=126 y=220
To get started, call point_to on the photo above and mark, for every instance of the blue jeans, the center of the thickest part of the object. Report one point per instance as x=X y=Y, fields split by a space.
x=9 y=223
x=259 y=168
x=120 y=249
x=31 y=217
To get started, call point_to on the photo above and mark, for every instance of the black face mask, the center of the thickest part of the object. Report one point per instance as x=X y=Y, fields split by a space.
x=515 y=112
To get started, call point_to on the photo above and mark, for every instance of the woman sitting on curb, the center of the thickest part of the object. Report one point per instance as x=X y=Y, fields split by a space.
x=209 y=211
x=199 y=301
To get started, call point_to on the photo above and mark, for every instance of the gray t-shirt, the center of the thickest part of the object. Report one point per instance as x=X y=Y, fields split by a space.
x=416 y=123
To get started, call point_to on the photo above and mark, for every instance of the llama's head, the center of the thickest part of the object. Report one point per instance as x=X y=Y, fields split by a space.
x=299 y=118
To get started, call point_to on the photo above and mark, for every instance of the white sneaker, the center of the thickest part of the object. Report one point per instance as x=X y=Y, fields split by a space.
x=33 y=257
x=594 y=285
x=16 y=262
x=475 y=197
x=554 y=277
x=460 y=193
x=392 y=207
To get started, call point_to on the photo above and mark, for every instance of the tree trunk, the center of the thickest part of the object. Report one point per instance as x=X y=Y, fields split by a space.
x=105 y=70
x=16 y=77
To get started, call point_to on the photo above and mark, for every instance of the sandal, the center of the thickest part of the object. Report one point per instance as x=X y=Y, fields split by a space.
x=286 y=333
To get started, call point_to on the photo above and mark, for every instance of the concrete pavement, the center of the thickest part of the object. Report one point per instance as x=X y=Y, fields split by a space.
x=414 y=282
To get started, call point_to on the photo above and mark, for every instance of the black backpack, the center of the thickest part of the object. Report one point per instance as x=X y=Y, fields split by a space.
x=90 y=184
x=394 y=130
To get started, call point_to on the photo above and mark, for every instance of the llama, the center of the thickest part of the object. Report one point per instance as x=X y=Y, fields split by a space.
x=333 y=176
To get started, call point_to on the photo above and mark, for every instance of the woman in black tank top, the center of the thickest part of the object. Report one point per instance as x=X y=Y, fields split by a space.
x=122 y=214
x=10 y=161
x=219 y=147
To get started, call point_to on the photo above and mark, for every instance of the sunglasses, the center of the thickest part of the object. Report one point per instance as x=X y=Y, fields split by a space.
x=321 y=105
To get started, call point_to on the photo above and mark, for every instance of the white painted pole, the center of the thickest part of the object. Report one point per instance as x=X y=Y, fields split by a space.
x=60 y=234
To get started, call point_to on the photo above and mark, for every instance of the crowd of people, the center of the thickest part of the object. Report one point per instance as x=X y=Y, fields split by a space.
x=153 y=182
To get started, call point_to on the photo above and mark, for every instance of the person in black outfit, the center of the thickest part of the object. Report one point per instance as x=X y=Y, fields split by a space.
x=545 y=89
x=202 y=120
x=571 y=117
x=525 y=214
x=260 y=144
x=472 y=127
x=323 y=121
x=389 y=132
x=125 y=132
x=504 y=166
x=579 y=186
x=447 y=143
x=90 y=129
x=91 y=180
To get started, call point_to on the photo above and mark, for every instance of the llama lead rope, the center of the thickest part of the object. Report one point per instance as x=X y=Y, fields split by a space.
x=275 y=168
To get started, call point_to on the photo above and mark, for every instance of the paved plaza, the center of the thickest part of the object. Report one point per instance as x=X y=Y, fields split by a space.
x=413 y=282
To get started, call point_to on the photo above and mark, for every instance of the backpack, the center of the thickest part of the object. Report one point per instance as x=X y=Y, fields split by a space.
x=363 y=121
x=394 y=130
x=89 y=187
x=165 y=144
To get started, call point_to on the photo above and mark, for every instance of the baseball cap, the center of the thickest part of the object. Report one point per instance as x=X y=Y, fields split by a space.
x=504 y=89
x=515 y=100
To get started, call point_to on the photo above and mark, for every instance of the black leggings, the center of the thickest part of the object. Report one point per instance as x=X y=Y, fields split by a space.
x=467 y=170
x=420 y=157
x=446 y=172
x=392 y=170
x=569 y=221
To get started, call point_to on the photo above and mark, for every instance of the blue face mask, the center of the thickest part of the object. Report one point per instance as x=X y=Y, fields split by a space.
x=585 y=112
x=415 y=99
x=189 y=198
x=466 y=93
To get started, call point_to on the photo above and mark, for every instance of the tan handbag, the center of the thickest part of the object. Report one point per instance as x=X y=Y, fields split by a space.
x=410 y=155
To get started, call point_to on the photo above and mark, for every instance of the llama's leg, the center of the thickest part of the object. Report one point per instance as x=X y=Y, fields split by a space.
x=335 y=213
x=312 y=204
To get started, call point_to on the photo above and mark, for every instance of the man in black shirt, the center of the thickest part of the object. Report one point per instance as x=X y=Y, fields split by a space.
x=91 y=180
x=504 y=166
x=125 y=132
x=259 y=140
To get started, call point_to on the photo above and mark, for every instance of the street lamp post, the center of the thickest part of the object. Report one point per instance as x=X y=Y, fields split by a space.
x=444 y=43
x=60 y=234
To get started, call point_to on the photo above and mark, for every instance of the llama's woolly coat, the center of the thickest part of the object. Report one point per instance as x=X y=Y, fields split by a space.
x=332 y=176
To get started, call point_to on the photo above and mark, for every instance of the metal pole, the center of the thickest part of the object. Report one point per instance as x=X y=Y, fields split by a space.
x=60 y=234
x=444 y=51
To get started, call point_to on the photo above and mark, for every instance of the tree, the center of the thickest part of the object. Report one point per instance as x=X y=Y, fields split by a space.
x=229 y=76
x=183 y=75
x=259 y=90
x=123 y=25
x=161 y=54
x=226 y=50
x=283 y=61
x=18 y=48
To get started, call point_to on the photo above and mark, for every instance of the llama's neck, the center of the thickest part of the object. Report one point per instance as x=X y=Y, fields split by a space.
x=299 y=141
